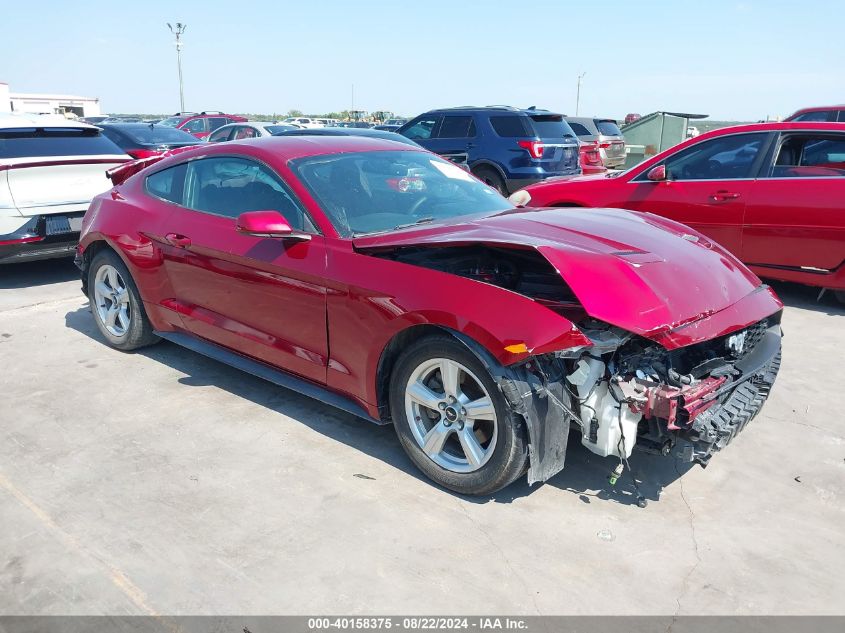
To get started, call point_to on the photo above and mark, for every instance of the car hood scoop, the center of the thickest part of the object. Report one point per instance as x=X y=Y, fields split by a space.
x=640 y=272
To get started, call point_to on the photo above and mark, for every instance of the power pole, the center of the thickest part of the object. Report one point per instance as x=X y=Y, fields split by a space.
x=353 y=98
x=177 y=31
x=578 y=92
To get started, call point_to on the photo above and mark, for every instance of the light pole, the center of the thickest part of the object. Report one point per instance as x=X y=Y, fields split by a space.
x=177 y=31
x=578 y=92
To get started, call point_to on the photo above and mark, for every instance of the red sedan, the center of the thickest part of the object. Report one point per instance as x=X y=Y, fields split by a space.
x=772 y=193
x=387 y=281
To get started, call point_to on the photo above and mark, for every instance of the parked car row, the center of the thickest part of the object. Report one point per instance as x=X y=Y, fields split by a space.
x=740 y=186
x=378 y=236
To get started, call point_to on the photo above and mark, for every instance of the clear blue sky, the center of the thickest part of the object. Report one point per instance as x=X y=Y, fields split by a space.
x=738 y=60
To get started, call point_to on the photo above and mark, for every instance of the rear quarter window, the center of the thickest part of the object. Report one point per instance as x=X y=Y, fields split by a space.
x=45 y=142
x=167 y=184
x=579 y=129
x=509 y=126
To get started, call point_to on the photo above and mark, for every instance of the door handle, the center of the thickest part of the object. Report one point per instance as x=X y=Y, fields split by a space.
x=174 y=239
x=722 y=196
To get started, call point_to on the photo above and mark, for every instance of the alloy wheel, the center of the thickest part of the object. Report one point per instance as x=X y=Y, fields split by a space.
x=451 y=415
x=111 y=300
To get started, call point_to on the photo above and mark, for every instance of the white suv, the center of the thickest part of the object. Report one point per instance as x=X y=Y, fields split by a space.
x=50 y=168
x=304 y=121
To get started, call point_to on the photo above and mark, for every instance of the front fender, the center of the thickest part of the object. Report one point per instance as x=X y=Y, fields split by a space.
x=542 y=405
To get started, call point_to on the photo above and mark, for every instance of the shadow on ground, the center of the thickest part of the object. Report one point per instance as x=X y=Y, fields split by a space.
x=40 y=273
x=807 y=298
x=585 y=474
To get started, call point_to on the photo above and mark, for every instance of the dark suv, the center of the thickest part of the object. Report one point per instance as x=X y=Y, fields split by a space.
x=505 y=147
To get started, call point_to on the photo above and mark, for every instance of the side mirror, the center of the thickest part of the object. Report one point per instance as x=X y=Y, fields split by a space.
x=267 y=224
x=657 y=174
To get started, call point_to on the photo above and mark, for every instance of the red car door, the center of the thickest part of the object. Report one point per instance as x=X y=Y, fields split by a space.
x=706 y=186
x=262 y=297
x=796 y=213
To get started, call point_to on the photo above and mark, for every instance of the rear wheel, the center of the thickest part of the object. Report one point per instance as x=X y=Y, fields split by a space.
x=452 y=420
x=491 y=177
x=840 y=295
x=116 y=303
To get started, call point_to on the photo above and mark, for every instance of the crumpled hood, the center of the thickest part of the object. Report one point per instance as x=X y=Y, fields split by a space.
x=640 y=272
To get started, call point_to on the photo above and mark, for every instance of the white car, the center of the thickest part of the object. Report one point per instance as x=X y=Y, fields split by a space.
x=249 y=129
x=303 y=121
x=50 y=168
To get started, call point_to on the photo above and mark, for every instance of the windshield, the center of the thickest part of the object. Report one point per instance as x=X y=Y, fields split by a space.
x=171 y=121
x=373 y=192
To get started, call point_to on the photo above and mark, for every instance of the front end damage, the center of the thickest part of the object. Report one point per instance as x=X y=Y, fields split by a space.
x=627 y=392
x=684 y=341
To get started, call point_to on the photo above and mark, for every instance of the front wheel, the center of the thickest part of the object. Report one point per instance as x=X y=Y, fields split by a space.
x=452 y=421
x=116 y=303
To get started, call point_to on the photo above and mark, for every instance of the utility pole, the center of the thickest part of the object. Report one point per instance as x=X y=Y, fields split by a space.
x=177 y=31
x=578 y=92
x=353 y=99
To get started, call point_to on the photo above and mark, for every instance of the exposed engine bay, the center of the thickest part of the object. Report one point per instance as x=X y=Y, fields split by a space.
x=636 y=393
x=521 y=270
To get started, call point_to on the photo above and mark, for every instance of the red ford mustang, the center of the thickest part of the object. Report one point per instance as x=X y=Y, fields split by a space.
x=387 y=281
x=772 y=193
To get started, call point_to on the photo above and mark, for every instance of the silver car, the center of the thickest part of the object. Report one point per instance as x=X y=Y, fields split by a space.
x=248 y=129
x=604 y=134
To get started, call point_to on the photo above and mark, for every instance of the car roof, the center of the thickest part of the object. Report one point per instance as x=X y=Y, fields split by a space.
x=128 y=125
x=281 y=149
x=9 y=121
x=819 y=109
x=253 y=123
x=768 y=127
x=499 y=109
x=386 y=135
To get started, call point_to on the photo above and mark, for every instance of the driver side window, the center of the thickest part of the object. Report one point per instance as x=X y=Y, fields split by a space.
x=422 y=129
x=725 y=158
x=229 y=186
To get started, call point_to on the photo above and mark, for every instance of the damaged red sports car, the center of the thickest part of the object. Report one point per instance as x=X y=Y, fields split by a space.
x=389 y=282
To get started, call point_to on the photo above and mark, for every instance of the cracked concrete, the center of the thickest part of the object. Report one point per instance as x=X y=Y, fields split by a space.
x=164 y=482
x=685 y=581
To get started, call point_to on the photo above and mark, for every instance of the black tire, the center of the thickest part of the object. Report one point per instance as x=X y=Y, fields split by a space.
x=491 y=177
x=509 y=455
x=840 y=295
x=139 y=332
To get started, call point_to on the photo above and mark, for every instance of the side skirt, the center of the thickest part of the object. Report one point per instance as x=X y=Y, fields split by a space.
x=268 y=373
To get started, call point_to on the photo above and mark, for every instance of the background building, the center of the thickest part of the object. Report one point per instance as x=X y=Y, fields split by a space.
x=68 y=105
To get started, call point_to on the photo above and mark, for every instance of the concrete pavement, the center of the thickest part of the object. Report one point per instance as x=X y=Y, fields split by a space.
x=164 y=482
